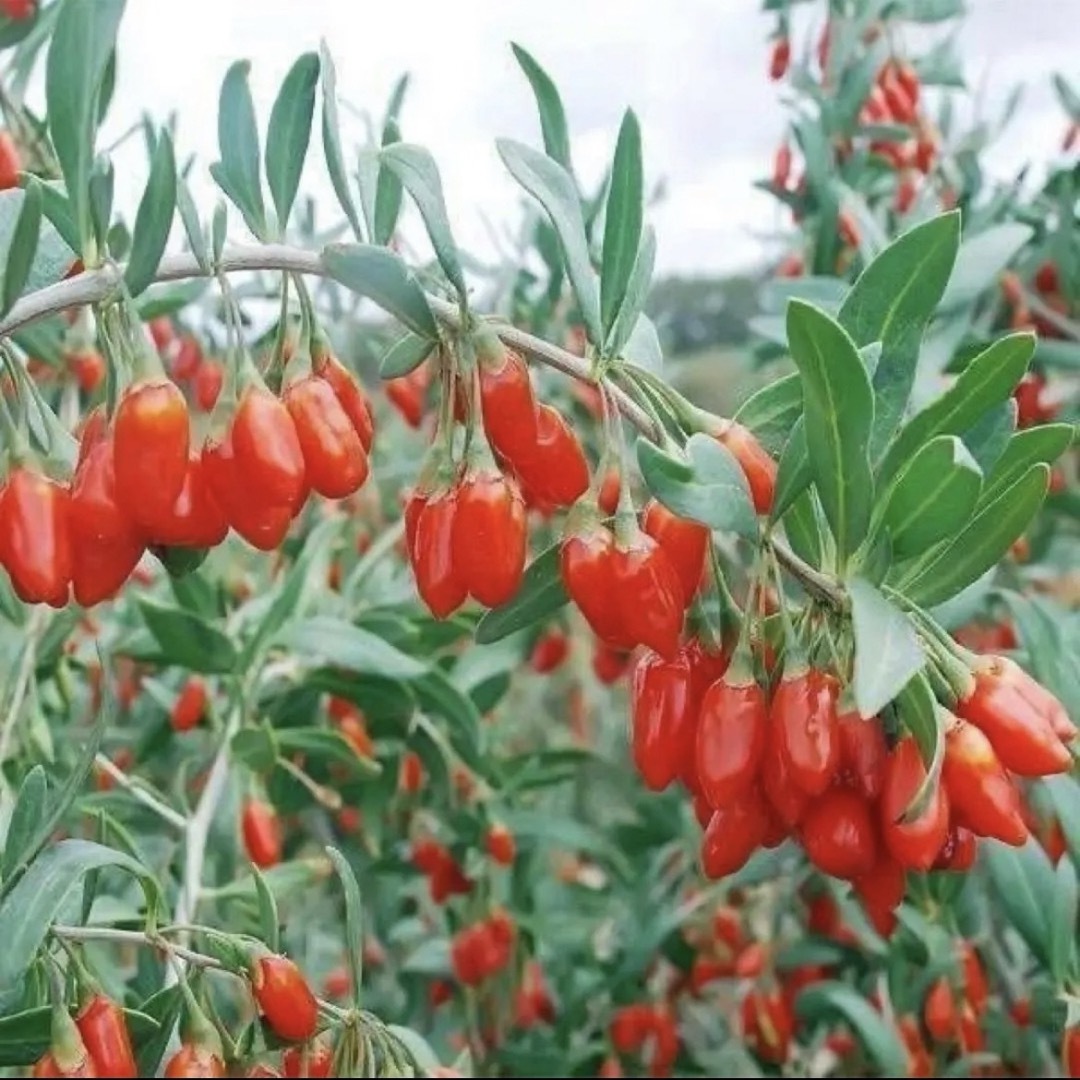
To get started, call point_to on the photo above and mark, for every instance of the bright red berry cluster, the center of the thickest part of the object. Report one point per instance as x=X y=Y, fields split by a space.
x=483 y=949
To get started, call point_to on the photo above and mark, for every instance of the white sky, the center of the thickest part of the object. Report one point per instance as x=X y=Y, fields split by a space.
x=694 y=70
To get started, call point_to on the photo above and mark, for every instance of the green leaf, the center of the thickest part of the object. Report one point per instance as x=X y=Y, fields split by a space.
x=892 y=302
x=552 y=115
x=637 y=290
x=256 y=748
x=566 y=833
x=622 y=220
x=839 y=413
x=102 y=185
x=188 y=640
x=189 y=215
x=154 y=218
x=919 y=711
x=354 y=920
x=165 y=1007
x=341 y=644
x=237 y=173
x=887 y=651
x=826 y=1000
x=331 y=138
x=25 y=1036
x=269 y=921
x=29 y=810
x=772 y=412
x=397 y=98
x=417 y=171
x=1044 y=443
x=1065 y=907
x=83 y=39
x=404 y=355
x=423 y=1057
x=981 y=260
x=931 y=497
x=793 y=476
x=58 y=211
x=1024 y=882
x=707 y=485
x=643 y=348
x=289 y=134
x=803 y=528
x=21 y=253
x=30 y=908
x=388 y=191
x=554 y=188
x=540 y=596
x=987 y=381
x=322 y=744
x=379 y=274
x=988 y=438
x=440 y=695
x=947 y=568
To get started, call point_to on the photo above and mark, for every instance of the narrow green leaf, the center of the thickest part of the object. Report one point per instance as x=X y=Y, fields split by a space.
x=1044 y=443
x=887 y=650
x=827 y=1000
x=540 y=596
x=22 y=251
x=331 y=138
x=637 y=291
x=622 y=220
x=59 y=212
x=30 y=908
x=986 y=441
x=164 y=1007
x=84 y=37
x=237 y=173
x=334 y=641
x=219 y=227
x=31 y=807
x=988 y=380
x=1063 y=915
x=793 y=475
x=931 y=497
x=101 y=190
x=354 y=920
x=388 y=191
x=643 y=347
x=706 y=485
x=189 y=215
x=803 y=527
x=255 y=748
x=839 y=413
x=404 y=355
x=1024 y=882
x=321 y=744
x=154 y=218
x=549 y=104
x=417 y=171
x=439 y=695
x=289 y=133
x=950 y=566
x=981 y=260
x=379 y=274
x=892 y=302
x=554 y=188
x=772 y=412
x=269 y=921
x=187 y=640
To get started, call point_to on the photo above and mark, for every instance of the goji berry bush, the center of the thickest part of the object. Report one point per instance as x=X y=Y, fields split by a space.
x=400 y=676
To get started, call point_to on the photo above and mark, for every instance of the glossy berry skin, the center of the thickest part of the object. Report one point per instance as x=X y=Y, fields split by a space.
x=407 y=394
x=780 y=58
x=914 y=844
x=647 y=594
x=732 y=732
x=754 y=460
x=489 y=536
x=196 y=519
x=787 y=799
x=88 y=367
x=100 y=570
x=262 y=833
x=554 y=469
x=351 y=396
x=507 y=404
x=768 y=1025
x=1070 y=1052
x=411 y=773
x=188 y=357
x=1020 y=729
x=284 y=998
x=881 y=892
x=981 y=794
x=207 y=384
x=190 y=705
x=151 y=440
x=500 y=844
x=838 y=834
x=268 y=457
x=863 y=753
x=314 y=1060
x=1032 y=691
x=805 y=722
x=104 y=1031
x=549 y=652
x=192 y=1060
x=47 y=1065
x=10 y=162
x=959 y=850
x=684 y=542
x=262 y=525
x=335 y=461
x=35 y=537
x=438 y=577
x=663 y=718
x=733 y=834
x=587 y=563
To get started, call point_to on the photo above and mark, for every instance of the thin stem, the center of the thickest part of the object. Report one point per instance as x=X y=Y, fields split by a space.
x=137 y=937
x=167 y=813
x=324 y=796
x=823 y=586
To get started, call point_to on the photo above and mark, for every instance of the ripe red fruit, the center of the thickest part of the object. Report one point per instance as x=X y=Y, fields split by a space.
x=848 y=229
x=940 y=1012
x=268 y=457
x=807 y=730
x=355 y=732
x=981 y=794
x=685 y=543
x=151 y=439
x=489 y=538
x=88 y=367
x=506 y=401
x=549 y=651
x=193 y=1060
x=863 y=753
x=500 y=844
x=586 y=561
x=608 y=496
x=768 y=1025
x=188 y=357
x=411 y=774
x=408 y=394
x=906 y=190
x=958 y=851
x=732 y=732
x=757 y=466
x=554 y=469
x=190 y=705
x=10 y=162
x=438 y=577
x=914 y=844
x=262 y=833
x=314 y=1059
x=608 y=663
x=104 y=1031
x=335 y=462
x=734 y=832
x=95 y=514
x=284 y=997
x=782 y=165
x=838 y=834
x=663 y=718
x=35 y=538
x=1070 y=1052
x=779 y=58
x=196 y=519
x=100 y=569
x=208 y=380
x=351 y=395
x=881 y=892
x=647 y=593
x=787 y=799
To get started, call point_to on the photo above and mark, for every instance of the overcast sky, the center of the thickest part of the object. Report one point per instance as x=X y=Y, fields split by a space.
x=694 y=70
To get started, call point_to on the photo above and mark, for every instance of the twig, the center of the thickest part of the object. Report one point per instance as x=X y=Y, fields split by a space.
x=137 y=937
x=173 y=817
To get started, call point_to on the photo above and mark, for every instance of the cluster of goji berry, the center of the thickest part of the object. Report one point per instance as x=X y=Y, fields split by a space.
x=139 y=482
x=1046 y=285
x=479 y=951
